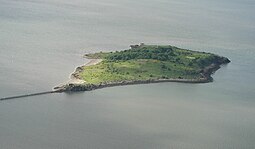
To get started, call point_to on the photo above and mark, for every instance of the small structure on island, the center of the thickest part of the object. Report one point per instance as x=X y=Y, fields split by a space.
x=137 y=46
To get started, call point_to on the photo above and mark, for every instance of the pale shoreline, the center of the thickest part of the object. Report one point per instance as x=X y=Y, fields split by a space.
x=93 y=62
x=73 y=79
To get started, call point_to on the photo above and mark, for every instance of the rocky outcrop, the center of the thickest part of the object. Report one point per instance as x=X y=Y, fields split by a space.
x=88 y=87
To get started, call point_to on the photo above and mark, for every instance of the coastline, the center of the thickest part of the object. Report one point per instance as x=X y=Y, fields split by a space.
x=75 y=75
x=76 y=84
x=74 y=78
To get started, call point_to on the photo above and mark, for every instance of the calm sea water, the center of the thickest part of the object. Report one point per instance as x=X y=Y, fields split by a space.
x=42 y=41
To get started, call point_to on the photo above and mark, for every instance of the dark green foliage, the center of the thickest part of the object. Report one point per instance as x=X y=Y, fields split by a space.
x=163 y=66
x=162 y=53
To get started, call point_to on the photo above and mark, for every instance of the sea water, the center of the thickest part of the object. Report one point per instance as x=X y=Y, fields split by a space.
x=42 y=41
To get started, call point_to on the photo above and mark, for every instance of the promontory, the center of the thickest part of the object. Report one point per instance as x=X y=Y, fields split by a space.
x=143 y=64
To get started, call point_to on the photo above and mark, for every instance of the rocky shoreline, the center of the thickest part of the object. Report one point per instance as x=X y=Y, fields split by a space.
x=82 y=86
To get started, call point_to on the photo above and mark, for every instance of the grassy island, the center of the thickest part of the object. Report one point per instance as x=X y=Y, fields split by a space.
x=146 y=64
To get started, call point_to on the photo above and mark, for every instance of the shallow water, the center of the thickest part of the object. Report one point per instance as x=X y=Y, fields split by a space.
x=43 y=41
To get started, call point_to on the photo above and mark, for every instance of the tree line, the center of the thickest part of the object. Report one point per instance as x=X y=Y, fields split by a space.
x=158 y=53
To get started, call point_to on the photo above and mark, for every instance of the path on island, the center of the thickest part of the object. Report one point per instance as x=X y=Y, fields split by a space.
x=93 y=62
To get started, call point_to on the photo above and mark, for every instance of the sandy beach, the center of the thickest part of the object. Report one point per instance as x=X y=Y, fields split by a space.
x=74 y=77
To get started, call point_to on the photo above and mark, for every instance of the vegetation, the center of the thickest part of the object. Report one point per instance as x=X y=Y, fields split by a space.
x=148 y=62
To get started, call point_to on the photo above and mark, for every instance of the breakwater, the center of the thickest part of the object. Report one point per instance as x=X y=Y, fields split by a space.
x=28 y=95
x=75 y=87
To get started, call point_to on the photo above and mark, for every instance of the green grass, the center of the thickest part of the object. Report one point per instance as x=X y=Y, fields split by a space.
x=147 y=62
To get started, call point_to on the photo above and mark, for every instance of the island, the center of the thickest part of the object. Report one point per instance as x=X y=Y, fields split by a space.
x=143 y=64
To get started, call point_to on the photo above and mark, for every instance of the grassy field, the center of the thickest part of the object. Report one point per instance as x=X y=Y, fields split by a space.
x=148 y=62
